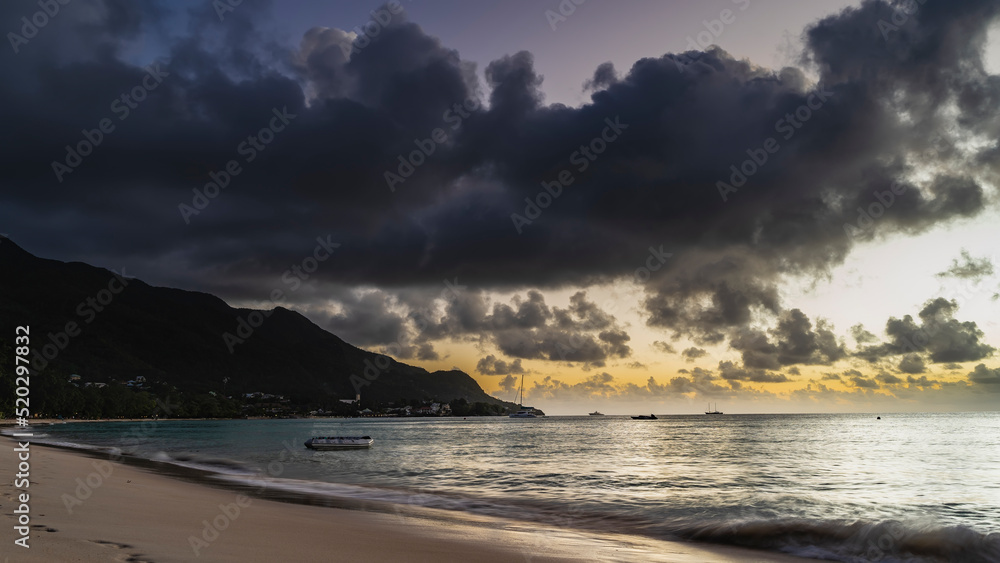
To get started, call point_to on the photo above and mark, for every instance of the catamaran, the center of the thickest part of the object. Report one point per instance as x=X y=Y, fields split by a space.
x=523 y=412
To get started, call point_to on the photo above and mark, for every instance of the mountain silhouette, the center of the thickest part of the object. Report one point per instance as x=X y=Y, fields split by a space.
x=89 y=321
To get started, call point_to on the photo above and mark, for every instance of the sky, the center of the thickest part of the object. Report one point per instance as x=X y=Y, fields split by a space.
x=771 y=205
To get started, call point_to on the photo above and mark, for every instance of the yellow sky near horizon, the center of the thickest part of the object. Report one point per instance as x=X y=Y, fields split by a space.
x=878 y=280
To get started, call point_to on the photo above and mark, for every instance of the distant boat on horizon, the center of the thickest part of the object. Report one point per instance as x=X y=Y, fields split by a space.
x=644 y=417
x=596 y=413
x=713 y=411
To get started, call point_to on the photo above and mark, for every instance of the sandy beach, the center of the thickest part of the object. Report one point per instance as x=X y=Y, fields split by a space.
x=133 y=514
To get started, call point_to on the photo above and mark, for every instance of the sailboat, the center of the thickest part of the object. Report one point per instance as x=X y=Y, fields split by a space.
x=713 y=411
x=522 y=411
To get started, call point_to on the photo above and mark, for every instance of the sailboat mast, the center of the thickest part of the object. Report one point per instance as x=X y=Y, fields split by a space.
x=521 y=392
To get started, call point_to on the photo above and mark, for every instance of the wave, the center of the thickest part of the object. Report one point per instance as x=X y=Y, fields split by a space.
x=833 y=540
x=205 y=464
x=212 y=465
x=855 y=542
x=46 y=439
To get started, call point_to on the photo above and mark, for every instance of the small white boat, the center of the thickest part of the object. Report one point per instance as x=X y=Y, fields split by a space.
x=339 y=442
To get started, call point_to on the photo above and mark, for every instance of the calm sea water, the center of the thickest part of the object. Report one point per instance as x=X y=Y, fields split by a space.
x=909 y=487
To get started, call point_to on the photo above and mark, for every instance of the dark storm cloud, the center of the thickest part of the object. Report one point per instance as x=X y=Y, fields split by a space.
x=490 y=365
x=531 y=313
x=534 y=331
x=795 y=342
x=508 y=384
x=366 y=320
x=912 y=363
x=861 y=335
x=616 y=342
x=552 y=345
x=699 y=381
x=968 y=268
x=888 y=379
x=922 y=381
x=938 y=334
x=583 y=314
x=985 y=377
x=424 y=351
x=526 y=327
x=691 y=354
x=732 y=294
x=604 y=76
x=864 y=382
x=882 y=110
x=731 y=372
x=598 y=385
x=664 y=347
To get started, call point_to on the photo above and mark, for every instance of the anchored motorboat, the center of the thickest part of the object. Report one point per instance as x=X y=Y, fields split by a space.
x=339 y=442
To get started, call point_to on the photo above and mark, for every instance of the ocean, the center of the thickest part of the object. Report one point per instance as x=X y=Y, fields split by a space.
x=841 y=487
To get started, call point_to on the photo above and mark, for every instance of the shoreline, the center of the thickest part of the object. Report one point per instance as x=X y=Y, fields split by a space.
x=142 y=514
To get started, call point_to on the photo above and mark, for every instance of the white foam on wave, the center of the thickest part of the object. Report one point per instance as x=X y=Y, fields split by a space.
x=213 y=466
x=352 y=492
x=46 y=439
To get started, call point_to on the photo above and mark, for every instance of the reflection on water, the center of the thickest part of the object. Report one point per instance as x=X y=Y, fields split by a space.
x=690 y=476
